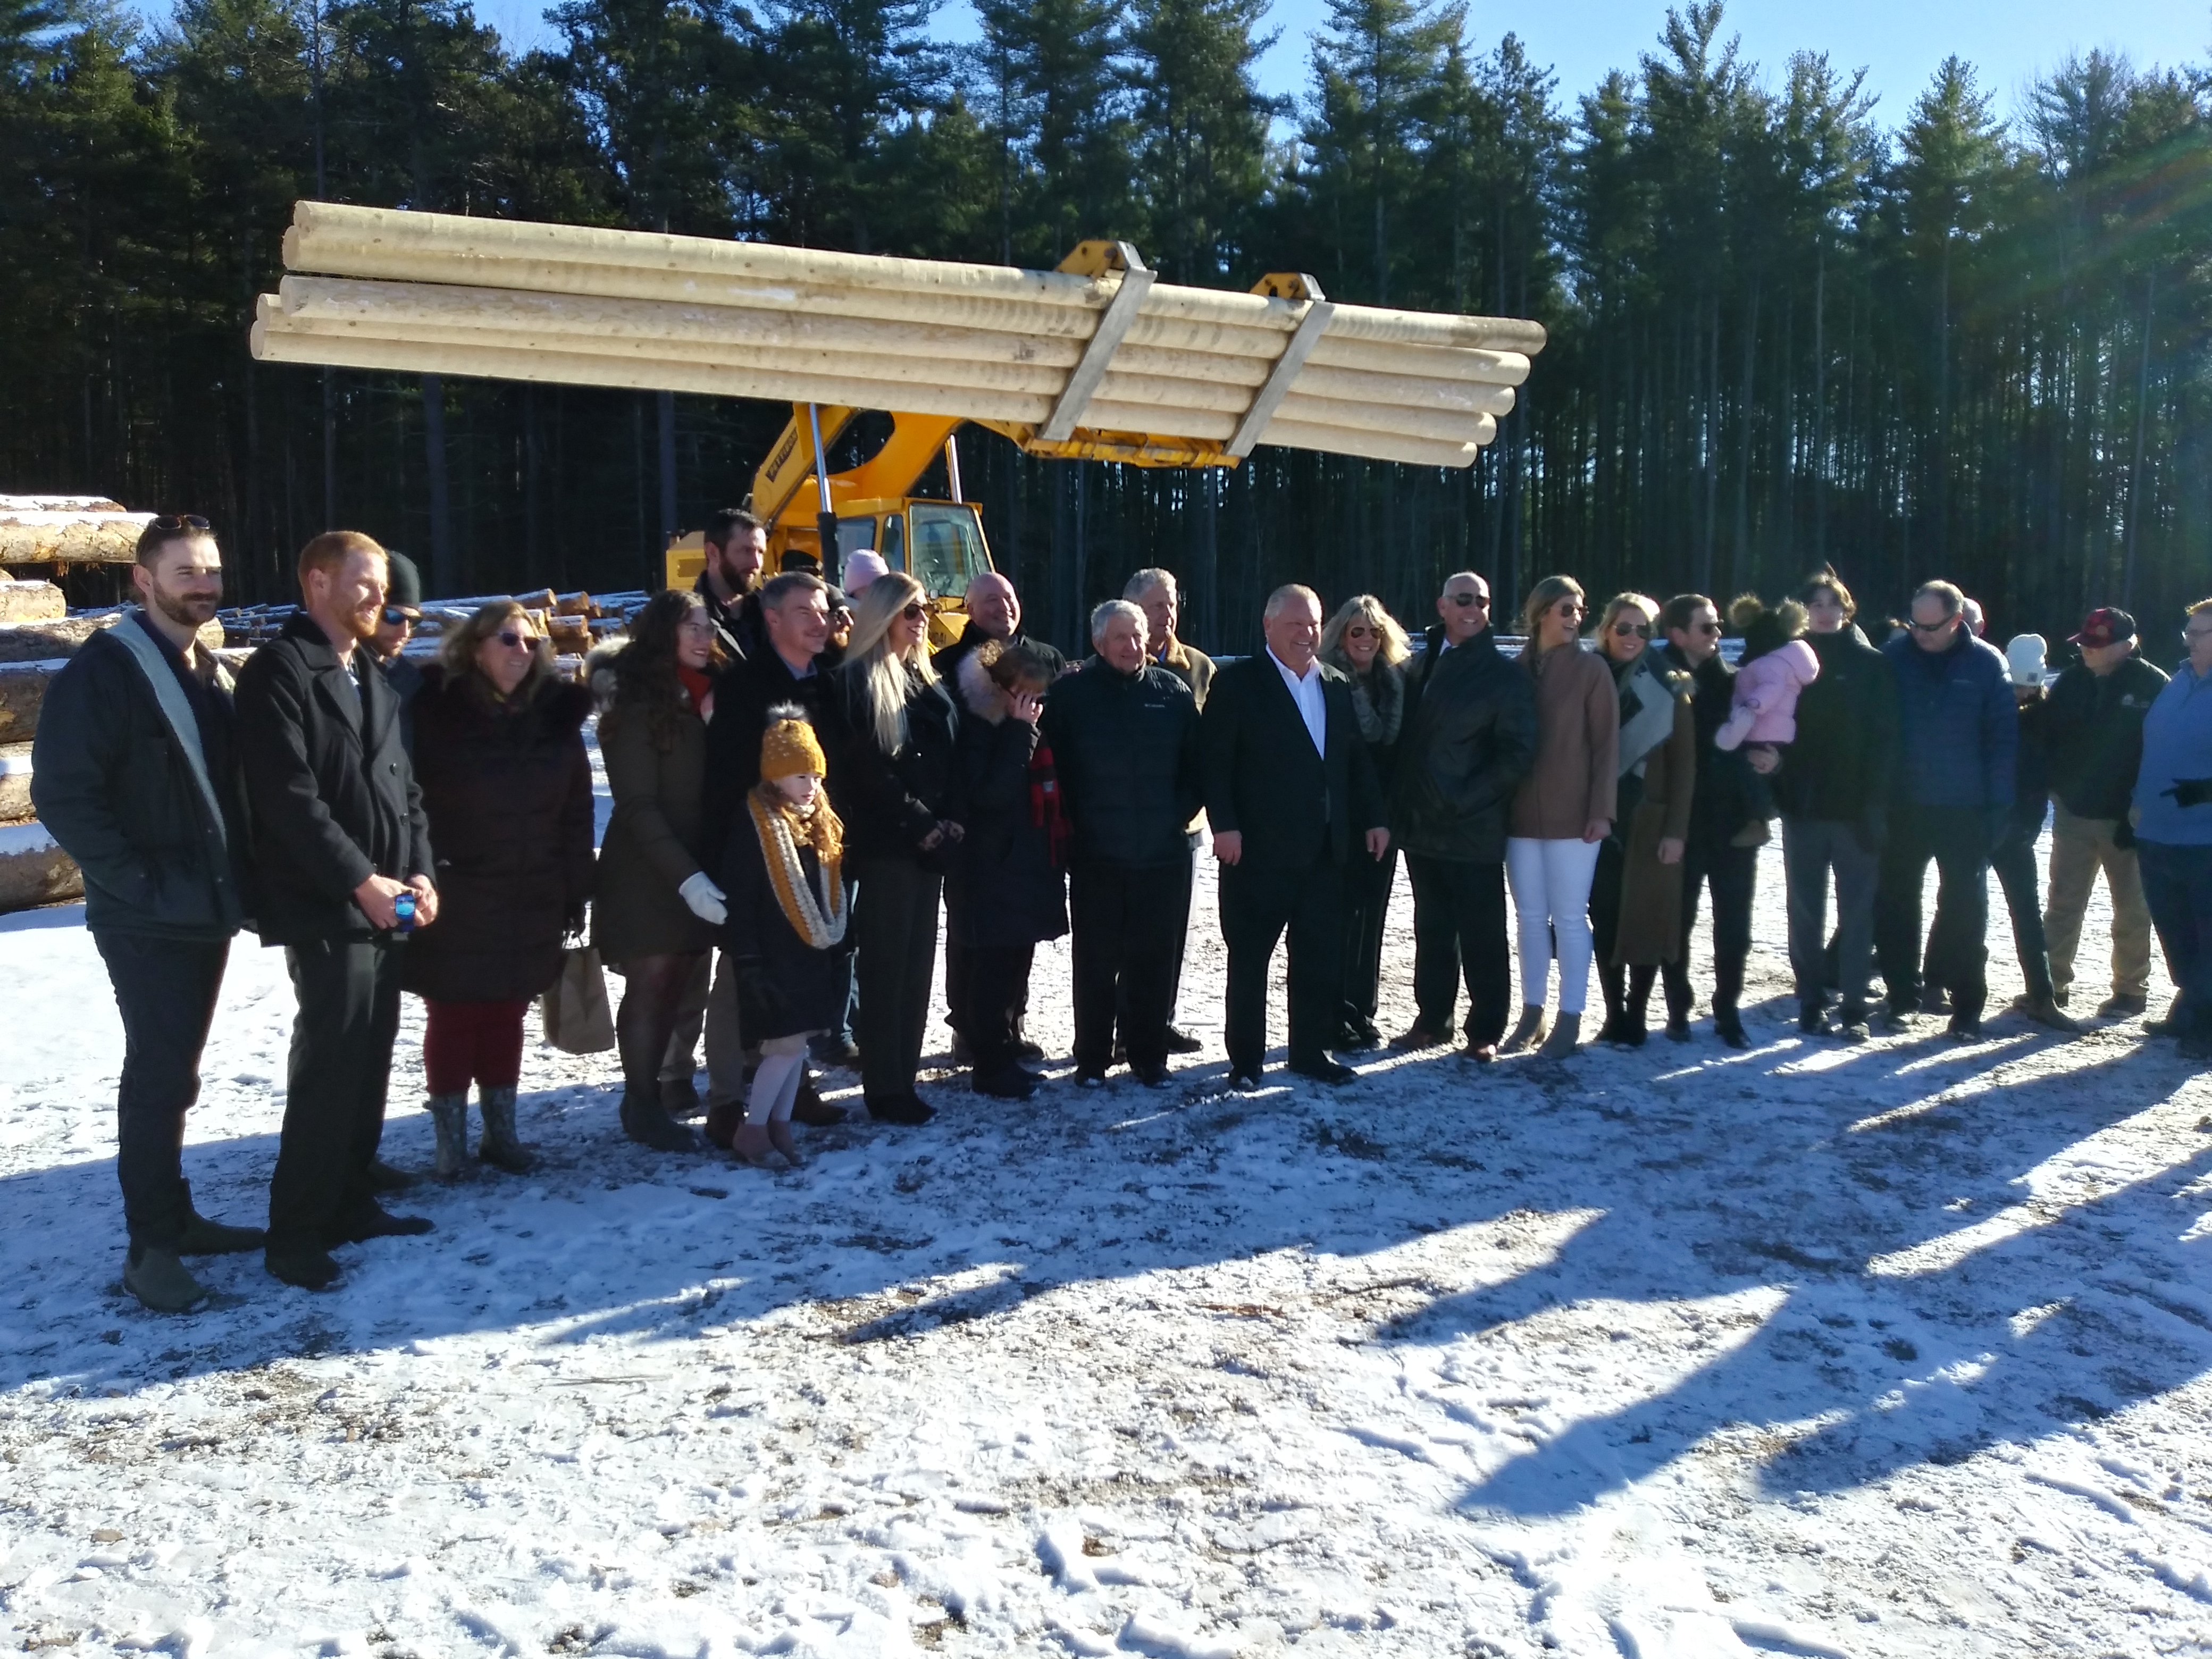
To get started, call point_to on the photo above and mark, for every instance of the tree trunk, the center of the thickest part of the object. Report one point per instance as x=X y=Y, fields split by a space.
x=445 y=576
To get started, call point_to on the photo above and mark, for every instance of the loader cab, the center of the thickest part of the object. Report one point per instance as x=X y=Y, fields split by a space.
x=939 y=543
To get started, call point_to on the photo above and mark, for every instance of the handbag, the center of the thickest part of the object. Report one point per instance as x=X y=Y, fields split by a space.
x=577 y=1018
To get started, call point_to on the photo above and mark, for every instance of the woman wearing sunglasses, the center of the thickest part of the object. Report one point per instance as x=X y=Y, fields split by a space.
x=1562 y=814
x=1365 y=641
x=892 y=772
x=1635 y=897
x=499 y=751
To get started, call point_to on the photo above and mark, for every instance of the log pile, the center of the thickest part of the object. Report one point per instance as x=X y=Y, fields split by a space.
x=51 y=529
x=1047 y=355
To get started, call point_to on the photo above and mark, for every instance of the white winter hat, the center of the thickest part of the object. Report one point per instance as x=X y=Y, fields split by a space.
x=861 y=567
x=2025 y=654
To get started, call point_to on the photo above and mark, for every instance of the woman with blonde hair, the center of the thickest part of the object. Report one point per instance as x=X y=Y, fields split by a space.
x=1364 y=642
x=891 y=771
x=499 y=752
x=1562 y=814
x=1636 y=900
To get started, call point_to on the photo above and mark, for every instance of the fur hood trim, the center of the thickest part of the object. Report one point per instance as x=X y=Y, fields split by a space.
x=979 y=693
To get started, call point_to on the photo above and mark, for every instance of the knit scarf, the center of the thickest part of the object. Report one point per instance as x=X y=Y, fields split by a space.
x=1044 y=803
x=699 y=684
x=817 y=918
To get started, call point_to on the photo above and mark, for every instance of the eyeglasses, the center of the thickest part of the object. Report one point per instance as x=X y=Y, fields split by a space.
x=1626 y=630
x=394 y=617
x=1463 y=600
x=915 y=611
x=515 y=641
x=181 y=521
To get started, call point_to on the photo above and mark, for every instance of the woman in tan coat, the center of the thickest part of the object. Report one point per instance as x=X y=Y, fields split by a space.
x=1635 y=901
x=1562 y=814
x=656 y=909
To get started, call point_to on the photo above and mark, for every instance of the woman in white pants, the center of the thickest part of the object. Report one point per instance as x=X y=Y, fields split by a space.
x=1562 y=813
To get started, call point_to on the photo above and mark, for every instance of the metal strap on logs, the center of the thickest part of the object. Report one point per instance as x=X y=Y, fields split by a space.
x=1095 y=259
x=1283 y=285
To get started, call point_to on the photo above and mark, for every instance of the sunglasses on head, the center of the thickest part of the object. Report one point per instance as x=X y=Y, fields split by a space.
x=1465 y=599
x=181 y=521
x=915 y=611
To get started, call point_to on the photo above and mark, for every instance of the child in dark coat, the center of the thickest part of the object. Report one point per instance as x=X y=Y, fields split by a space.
x=785 y=928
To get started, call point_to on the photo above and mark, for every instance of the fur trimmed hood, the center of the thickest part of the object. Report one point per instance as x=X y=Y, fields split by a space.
x=979 y=693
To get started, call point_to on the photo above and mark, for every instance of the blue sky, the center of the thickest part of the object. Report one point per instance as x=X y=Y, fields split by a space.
x=1899 y=42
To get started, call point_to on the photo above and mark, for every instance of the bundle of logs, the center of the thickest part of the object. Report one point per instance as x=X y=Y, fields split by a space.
x=573 y=621
x=1048 y=353
x=65 y=530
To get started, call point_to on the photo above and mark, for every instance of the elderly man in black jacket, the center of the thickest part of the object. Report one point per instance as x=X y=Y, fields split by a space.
x=1125 y=743
x=342 y=873
x=134 y=774
x=1290 y=796
x=1469 y=739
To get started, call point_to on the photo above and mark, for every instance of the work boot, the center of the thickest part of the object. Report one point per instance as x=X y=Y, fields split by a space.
x=449 y=1117
x=2044 y=1011
x=645 y=1120
x=205 y=1237
x=2175 y=1021
x=369 y=1219
x=1181 y=1041
x=2121 y=1005
x=161 y=1283
x=809 y=1108
x=1812 y=1018
x=499 y=1147
x=679 y=1096
x=1566 y=1037
x=1526 y=1033
x=298 y=1262
x=389 y=1178
x=1728 y=1026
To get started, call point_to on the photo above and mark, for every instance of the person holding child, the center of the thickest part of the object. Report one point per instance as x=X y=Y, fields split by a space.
x=783 y=885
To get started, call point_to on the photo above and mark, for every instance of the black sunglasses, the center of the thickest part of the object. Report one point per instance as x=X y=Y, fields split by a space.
x=1706 y=628
x=169 y=521
x=1931 y=628
x=915 y=611
x=395 y=616
x=514 y=640
x=1463 y=600
x=1627 y=628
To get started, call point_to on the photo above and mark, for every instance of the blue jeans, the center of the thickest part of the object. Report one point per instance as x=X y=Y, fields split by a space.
x=2177 y=885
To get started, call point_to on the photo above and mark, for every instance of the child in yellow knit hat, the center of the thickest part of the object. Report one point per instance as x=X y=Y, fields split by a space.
x=785 y=928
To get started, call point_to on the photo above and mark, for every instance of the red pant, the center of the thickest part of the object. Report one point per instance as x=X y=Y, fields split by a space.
x=479 y=1041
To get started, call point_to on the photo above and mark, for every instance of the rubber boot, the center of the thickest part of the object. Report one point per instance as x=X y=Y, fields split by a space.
x=1635 y=1015
x=449 y=1116
x=1613 y=983
x=500 y=1148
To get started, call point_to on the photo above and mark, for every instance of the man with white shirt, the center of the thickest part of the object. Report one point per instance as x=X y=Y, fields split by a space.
x=1468 y=739
x=1290 y=796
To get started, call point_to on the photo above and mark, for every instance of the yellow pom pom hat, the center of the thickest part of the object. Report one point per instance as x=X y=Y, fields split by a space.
x=789 y=747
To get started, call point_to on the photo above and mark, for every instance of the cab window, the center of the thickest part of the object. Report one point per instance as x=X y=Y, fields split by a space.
x=948 y=550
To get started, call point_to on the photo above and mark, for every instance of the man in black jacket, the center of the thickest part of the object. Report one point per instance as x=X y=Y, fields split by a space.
x=1834 y=790
x=2093 y=724
x=342 y=854
x=736 y=544
x=1470 y=738
x=1721 y=851
x=1125 y=744
x=1290 y=796
x=134 y=774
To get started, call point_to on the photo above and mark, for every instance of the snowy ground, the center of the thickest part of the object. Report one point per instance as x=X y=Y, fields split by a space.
x=1686 y=1353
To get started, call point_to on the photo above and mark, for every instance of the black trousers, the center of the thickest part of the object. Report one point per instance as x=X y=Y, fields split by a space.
x=994 y=990
x=165 y=990
x=1459 y=927
x=895 y=939
x=1181 y=943
x=1732 y=873
x=2014 y=861
x=1367 y=883
x=1257 y=907
x=1127 y=927
x=957 y=993
x=1957 y=839
x=341 y=1066
x=1811 y=848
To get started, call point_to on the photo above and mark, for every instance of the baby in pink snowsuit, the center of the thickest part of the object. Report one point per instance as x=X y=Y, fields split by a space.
x=1777 y=665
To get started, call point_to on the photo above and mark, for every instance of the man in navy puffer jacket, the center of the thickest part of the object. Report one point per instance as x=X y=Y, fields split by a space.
x=1957 y=740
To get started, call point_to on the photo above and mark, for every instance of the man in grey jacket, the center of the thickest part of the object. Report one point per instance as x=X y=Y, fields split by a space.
x=133 y=773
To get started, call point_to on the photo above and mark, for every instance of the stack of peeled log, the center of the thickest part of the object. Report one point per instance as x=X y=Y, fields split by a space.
x=376 y=289
x=45 y=530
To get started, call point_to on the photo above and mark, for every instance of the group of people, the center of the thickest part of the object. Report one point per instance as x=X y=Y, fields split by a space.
x=802 y=787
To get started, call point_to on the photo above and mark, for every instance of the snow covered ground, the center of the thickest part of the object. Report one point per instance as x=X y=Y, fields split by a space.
x=1895 y=1351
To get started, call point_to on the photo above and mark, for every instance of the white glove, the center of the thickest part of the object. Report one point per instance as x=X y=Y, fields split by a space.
x=704 y=898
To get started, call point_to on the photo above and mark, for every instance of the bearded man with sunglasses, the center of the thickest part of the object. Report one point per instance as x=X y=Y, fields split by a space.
x=1958 y=741
x=1469 y=739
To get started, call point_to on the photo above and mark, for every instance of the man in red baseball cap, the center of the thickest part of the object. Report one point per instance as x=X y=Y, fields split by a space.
x=2095 y=727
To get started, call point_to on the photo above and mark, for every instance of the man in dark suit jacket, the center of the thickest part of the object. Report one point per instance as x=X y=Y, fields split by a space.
x=340 y=845
x=1290 y=796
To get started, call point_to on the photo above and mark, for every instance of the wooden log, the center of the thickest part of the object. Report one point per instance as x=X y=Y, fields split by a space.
x=22 y=694
x=33 y=870
x=38 y=642
x=59 y=504
x=1478 y=428
x=1375 y=446
x=30 y=602
x=41 y=537
x=1421 y=362
x=15 y=781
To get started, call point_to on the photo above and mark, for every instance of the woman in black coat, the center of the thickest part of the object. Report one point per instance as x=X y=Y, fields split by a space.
x=891 y=774
x=1365 y=641
x=784 y=937
x=1005 y=891
x=499 y=751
